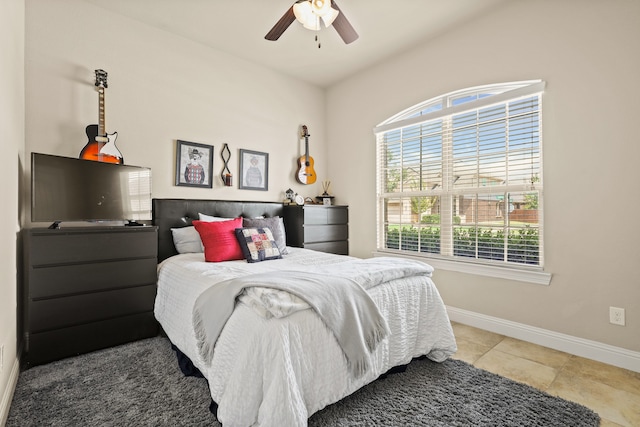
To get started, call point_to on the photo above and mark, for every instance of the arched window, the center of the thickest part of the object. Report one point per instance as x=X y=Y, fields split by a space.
x=459 y=177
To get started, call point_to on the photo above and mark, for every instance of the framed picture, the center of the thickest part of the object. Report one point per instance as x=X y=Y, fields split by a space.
x=254 y=170
x=194 y=164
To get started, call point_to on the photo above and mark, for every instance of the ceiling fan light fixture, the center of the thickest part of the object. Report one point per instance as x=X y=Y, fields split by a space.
x=313 y=24
x=305 y=15
x=320 y=7
x=329 y=17
x=301 y=10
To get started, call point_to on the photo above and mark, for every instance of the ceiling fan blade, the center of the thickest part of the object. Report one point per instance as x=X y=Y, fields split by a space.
x=280 y=27
x=343 y=27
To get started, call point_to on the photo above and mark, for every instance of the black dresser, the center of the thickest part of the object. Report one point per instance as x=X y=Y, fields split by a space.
x=85 y=289
x=318 y=227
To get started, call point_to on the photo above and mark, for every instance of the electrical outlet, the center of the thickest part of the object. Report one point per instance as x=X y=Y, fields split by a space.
x=616 y=316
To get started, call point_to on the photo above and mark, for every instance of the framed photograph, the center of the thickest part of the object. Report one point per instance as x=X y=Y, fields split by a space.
x=254 y=170
x=194 y=164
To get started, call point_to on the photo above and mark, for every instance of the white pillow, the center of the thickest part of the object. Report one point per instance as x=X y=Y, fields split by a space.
x=209 y=218
x=187 y=240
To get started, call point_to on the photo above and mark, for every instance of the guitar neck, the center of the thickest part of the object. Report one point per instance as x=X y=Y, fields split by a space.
x=101 y=122
x=306 y=148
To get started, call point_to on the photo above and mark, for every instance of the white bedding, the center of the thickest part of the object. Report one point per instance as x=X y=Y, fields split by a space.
x=276 y=364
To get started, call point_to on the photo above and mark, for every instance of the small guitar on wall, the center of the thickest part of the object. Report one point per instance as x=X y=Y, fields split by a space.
x=101 y=146
x=306 y=174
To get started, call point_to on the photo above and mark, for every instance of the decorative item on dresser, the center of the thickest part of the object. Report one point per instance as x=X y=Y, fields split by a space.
x=101 y=146
x=289 y=195
x=86 y=288
x=325 y=198
x=318 y=227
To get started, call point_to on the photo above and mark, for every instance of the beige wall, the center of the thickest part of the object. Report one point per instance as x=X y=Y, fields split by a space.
x=162 y=88
x=11 y=152
x=586 y=51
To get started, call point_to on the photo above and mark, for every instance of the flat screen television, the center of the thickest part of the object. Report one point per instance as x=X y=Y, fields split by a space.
x=70 y=189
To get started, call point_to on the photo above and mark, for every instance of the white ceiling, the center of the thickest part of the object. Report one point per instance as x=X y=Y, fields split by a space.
x=238 y=27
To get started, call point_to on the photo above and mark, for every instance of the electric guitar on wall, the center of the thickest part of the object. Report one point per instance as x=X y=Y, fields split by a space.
x=306 y=174
x=101 y=146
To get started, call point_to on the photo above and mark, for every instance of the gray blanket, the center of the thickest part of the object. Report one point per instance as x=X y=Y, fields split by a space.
x=338 y=296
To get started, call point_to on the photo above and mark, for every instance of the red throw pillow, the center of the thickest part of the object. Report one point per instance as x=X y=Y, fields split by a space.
x=219 y=239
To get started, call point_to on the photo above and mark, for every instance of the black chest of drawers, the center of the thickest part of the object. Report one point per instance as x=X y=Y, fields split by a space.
x=318 y=227
x=87 y=288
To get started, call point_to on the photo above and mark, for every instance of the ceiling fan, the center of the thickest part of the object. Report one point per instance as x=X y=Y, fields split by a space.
x=310 y=13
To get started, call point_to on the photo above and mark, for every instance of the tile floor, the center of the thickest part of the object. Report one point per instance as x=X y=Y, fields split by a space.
x=612 y=392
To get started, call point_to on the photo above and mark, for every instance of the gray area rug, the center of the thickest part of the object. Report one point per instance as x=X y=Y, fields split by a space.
x=140 y=384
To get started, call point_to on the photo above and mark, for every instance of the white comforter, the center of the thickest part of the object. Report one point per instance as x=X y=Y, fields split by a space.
x=275 y=366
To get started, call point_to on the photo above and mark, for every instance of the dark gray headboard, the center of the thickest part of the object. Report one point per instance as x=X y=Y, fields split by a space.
x=173 y=213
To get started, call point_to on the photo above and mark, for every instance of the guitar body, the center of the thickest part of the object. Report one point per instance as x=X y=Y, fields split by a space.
x=100 y=151
x=101 y=146
x=306 y=174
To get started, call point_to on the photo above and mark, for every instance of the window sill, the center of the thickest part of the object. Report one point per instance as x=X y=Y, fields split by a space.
x=536 y=276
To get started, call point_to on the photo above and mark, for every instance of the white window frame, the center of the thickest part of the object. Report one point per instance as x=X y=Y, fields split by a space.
x=421 y=114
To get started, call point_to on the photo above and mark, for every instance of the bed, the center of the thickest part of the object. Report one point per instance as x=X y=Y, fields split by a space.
x=281 y=356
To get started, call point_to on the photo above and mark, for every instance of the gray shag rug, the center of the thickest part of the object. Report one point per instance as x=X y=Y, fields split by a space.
x=140 y=384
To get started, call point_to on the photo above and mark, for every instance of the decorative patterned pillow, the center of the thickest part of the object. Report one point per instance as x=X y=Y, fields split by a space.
x=275 y=224
x=219 y=239
x=257 y=244
x=187 y=240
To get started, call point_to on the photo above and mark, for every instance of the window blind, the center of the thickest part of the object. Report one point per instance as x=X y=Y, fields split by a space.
x=460 y=176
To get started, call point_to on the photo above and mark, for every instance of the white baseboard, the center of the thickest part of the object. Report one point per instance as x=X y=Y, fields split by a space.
x=7 y=394
x=593 y=350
